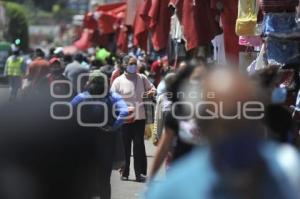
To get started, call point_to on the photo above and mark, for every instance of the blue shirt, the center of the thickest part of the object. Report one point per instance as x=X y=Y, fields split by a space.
x=194 y=176
x=116 y=100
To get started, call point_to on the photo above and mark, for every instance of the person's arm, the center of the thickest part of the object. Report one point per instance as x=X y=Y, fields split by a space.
x=78 y=99
x=121 y=108
x=6 y=67
x=150 y=88
x=163 y=148
x=24 y=68
x=115 y=74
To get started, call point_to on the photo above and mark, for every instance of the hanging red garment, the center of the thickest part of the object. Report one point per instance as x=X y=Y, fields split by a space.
x=159 y=18
x=84 y=42
x=109 y=16
x=228 y=18
x=122 y=41
x=198 y=21
x=110 y=6
x=89 y=21
x=131 y=11
x=140 y=28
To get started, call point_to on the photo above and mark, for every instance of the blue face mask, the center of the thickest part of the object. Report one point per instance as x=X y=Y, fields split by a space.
x=131 y=69
x=279 y=95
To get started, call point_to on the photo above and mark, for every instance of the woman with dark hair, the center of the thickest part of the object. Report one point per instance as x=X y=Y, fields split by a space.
x=108 y=111
x=174 y=129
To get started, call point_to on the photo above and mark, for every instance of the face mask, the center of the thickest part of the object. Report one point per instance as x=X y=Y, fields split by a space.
x=132 y=68
x=279 y=95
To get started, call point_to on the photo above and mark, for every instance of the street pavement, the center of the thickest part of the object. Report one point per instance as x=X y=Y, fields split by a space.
x=120 y=189
x=131 y=189
x=4 y=93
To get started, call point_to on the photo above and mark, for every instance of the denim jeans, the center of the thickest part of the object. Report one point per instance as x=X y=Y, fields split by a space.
x=15 y=83
x=282 y=52
x=281 y=25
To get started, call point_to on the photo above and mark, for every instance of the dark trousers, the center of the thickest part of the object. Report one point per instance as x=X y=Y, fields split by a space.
x=105 y=154
x=134 y=133
x=15 y=83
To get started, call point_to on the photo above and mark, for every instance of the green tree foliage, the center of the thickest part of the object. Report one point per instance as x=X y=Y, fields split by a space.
x=18 y=24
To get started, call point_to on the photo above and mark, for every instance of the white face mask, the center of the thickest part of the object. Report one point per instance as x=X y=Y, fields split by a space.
x=131 y=68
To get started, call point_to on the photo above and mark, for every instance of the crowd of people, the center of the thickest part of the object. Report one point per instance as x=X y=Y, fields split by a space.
x=221 y=134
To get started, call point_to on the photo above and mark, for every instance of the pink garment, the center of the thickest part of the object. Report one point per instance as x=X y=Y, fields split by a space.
x=250 y=41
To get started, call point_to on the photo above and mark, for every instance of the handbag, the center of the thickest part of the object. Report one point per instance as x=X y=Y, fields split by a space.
x=246 y=58
x=149 y=105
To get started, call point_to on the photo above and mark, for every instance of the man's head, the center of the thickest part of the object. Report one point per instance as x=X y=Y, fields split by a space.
x=98 y=83
x=16 y=52
x=79 y=57
x=55 y=66
x=39 y=53
x=232 y=103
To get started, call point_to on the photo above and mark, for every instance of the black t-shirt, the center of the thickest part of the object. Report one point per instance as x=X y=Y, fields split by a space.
x=180 y=148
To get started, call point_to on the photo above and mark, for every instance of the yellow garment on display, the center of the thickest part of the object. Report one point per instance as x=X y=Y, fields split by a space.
x=14 y=67
x=247 y=18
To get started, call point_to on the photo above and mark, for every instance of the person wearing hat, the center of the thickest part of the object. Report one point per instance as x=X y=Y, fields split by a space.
x=114 y=113
x=63 y=85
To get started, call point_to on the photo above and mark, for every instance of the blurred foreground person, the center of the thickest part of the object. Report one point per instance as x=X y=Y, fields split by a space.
x=238 y=162
x=15 y=70
x=95 y=114
x=43 y=158
x=179 y=136
x=278 y=119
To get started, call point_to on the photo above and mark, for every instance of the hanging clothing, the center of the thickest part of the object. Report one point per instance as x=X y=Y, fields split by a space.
x=250 y=41
x=247 y=17
x=281 y=25
x=176 y=29
x=278 y=5
x=219 y=49
x=198 y=22
x=282 y=52
x=229 y=9
x=140 y=28
x=131 y=11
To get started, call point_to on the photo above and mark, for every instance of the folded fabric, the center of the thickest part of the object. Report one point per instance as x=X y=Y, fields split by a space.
x=281 y=25
x=247 y=18
x=282 y=52
x=278 y=5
